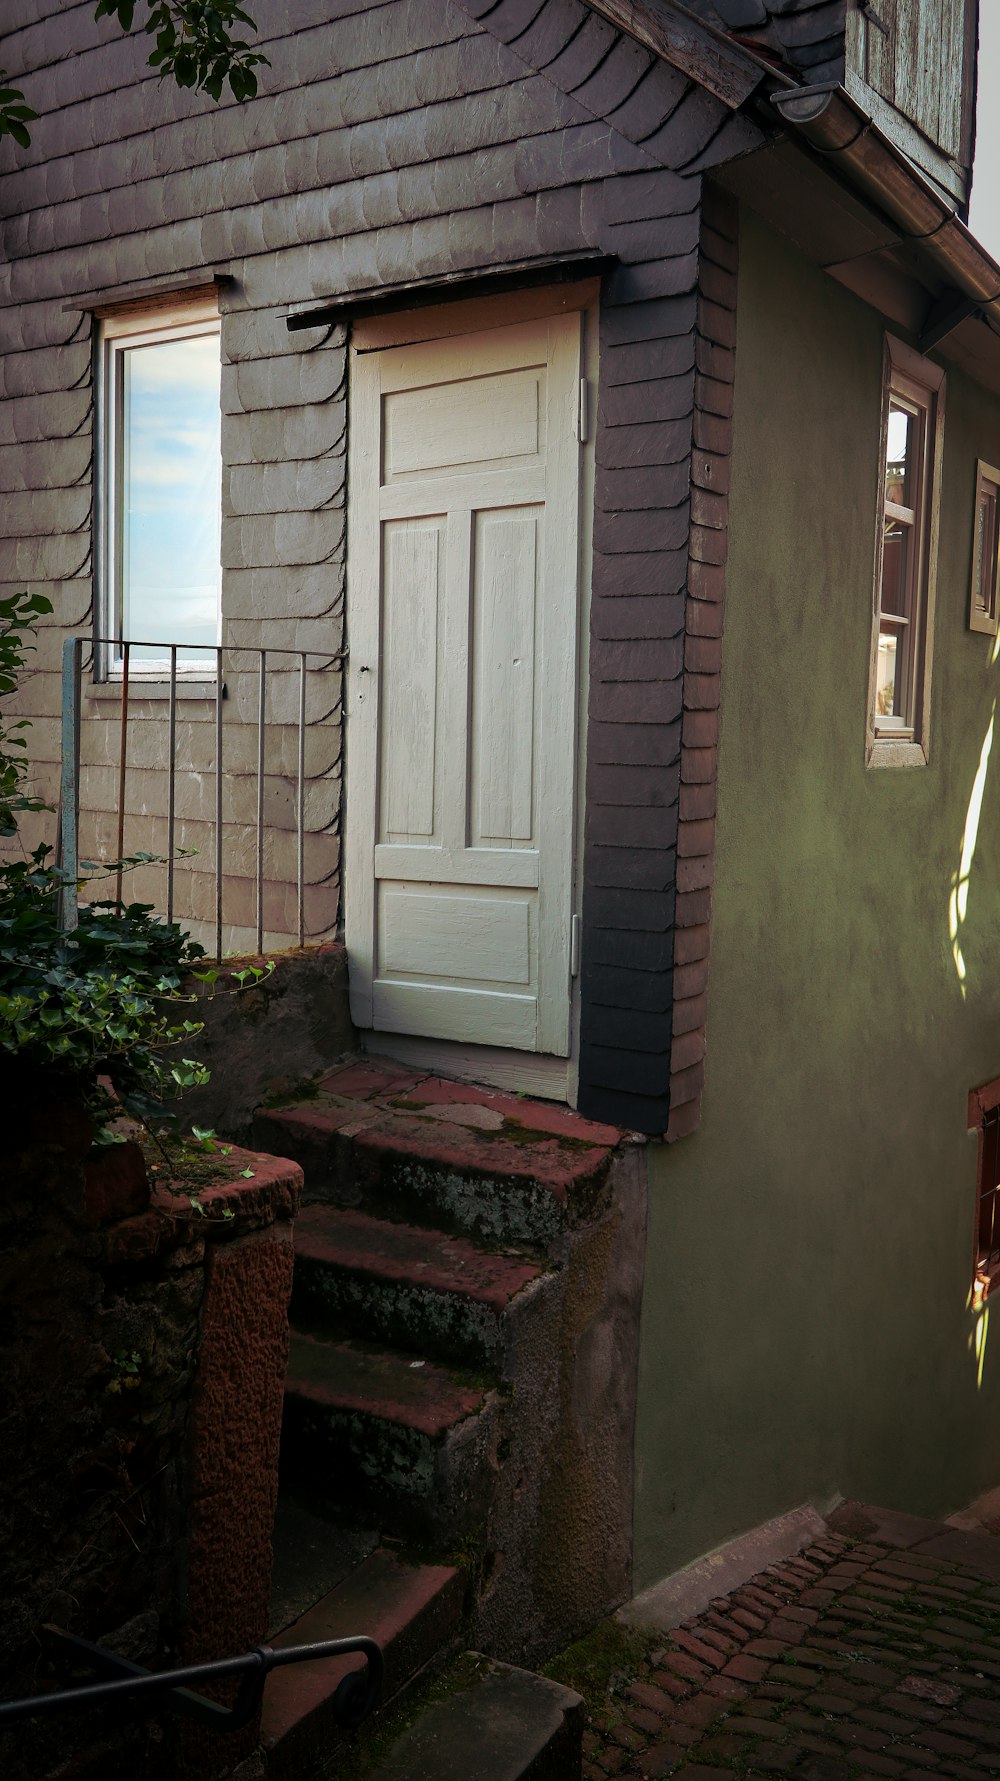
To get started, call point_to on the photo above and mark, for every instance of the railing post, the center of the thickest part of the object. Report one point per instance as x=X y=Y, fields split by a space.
x=171 y=781
x=69 y=784
x=300 y=804
x=218 y=806
x=122 y=770
x=261 y=715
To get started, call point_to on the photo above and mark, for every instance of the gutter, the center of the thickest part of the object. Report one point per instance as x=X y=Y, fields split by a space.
x=835 y=126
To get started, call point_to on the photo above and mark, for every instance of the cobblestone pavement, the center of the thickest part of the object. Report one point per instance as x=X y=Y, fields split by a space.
x=875 y=1653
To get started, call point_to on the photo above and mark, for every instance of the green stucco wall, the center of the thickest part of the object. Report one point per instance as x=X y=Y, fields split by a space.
x=806 y=1321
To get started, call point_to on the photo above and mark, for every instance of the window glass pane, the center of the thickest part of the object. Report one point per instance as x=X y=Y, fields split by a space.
x=170 y=494
x=899 y=448
x=985 y=577
x=888 y=673
x=896 y=549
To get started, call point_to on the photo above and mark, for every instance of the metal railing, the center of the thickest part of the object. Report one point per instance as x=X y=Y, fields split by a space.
x=304 y=666
x=356 y=1696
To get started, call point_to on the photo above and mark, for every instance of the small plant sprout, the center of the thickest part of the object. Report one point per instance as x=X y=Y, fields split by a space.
x=206 y=1140
x=125 y=1372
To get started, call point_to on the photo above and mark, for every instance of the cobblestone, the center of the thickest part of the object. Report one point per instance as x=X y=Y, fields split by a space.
x=853 y=1662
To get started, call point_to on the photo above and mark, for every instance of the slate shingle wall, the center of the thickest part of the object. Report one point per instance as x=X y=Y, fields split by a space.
x=390 y=141
x=715 y=336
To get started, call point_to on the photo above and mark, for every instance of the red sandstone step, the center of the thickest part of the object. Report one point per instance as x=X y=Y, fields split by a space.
x=411 y=1255
x=410 y=1610
x=558 y=1159
x=404 y=1284
x=379 y=1383
x=396 y=1437
x=500 y=1178
x=378 y=1079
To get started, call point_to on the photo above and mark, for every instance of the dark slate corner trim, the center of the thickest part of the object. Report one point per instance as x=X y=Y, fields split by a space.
x=703 y=617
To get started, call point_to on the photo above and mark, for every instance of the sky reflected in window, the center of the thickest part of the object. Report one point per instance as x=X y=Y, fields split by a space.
x=170 y=494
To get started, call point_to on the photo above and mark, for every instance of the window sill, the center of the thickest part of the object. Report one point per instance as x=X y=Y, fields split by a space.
x=884 y=752
x=110 y=691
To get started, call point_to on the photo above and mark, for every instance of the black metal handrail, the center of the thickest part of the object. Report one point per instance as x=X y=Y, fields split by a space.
x=356 y=1696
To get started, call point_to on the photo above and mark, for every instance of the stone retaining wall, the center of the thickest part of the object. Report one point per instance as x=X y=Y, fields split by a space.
x=142 y=1357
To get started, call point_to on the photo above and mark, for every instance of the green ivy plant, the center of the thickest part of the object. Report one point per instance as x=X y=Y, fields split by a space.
x=90 y=1004
x=18 y=614
x=86 y=1006
x=195 y=45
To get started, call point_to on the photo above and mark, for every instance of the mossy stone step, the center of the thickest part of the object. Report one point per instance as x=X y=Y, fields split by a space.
x=403 y=1284
x=410 y=1610
x=505 y=1724
x=494 y=1167
x=412 y=1442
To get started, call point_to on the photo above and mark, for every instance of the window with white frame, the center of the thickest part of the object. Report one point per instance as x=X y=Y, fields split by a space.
x=983 y=613
x=160 y=488
x=904 y=578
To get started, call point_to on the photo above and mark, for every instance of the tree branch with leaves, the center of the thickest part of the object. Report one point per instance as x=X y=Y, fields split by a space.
x=196 y=44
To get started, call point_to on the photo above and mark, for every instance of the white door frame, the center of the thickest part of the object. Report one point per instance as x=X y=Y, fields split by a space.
x=535 y=1072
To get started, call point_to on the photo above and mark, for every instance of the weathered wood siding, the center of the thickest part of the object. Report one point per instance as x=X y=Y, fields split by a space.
x=392 y=139
x=914 y=72
x=918 y=62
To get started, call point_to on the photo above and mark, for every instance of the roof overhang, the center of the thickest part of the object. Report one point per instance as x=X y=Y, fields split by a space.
x=838 y=129
x=468 y=281
x=837 y=187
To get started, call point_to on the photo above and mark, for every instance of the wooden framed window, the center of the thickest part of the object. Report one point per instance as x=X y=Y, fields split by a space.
x=984 y=1116
x=160 y=488
x=983 y=614
x=906 y=548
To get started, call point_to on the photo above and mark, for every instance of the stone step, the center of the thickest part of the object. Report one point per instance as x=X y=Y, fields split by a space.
x=412 y=1611
x=495 y=1167
x=504 y=1724
x=311 y=1556
x=412 y=1442
x=404 y=1285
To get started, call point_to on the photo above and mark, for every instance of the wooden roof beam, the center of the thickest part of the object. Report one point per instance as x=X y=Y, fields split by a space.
x=699 y=50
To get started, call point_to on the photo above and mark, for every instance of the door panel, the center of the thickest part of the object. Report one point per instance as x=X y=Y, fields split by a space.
x=417 y=931
x=504 y=716
x=412 y=596
x=434 y=429
x=462 y=690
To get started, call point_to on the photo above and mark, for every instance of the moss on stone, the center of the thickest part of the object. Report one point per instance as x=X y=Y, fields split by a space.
x=371 y=1746
x=185 y=1163
x=602 y=1662
x=284 y=1093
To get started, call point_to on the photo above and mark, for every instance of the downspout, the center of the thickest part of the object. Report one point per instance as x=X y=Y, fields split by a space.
x=830 y=121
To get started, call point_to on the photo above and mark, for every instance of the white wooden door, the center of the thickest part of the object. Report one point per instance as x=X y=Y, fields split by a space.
x=462 y=689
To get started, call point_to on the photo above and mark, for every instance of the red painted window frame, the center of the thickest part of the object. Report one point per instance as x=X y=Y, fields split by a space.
x=984 y=1119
